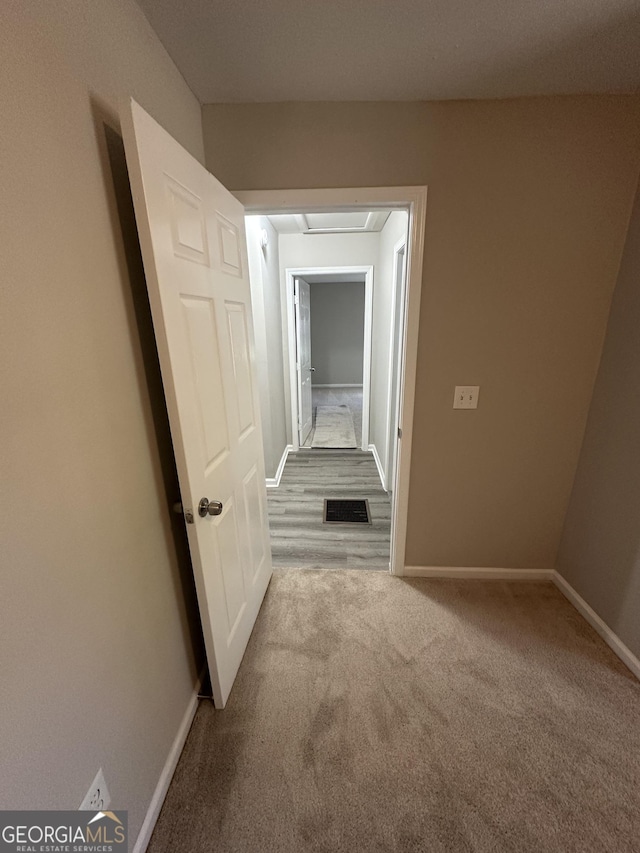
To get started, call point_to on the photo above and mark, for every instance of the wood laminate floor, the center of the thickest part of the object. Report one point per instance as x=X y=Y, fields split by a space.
x=299 y=539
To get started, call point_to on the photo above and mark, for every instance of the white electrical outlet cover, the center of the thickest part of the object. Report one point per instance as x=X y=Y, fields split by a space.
x=97 y=797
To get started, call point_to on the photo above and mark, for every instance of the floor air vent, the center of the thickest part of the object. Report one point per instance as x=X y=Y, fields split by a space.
x=346 y=511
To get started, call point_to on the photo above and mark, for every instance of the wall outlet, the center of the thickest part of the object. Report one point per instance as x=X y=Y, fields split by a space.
x=466 y=397
x=98 y=797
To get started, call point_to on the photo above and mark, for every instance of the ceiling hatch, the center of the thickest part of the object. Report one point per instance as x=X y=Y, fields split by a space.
x=334 y=222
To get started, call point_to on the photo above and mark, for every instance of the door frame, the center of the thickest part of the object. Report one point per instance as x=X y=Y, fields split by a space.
x=292 y=273
x=414 y=200
x=393 y=410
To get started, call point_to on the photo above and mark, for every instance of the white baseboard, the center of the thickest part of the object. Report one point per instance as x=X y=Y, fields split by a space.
x=470 y=572
x=274 y=482
x=146 y=830
x=374 y=450
x=611 y=639
x=336 y=386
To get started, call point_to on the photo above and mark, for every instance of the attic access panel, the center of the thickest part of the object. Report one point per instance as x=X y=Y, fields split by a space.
x=346 y=511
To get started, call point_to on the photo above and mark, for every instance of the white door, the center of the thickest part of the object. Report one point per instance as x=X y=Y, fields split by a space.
x=193 y=245
x=303 y=358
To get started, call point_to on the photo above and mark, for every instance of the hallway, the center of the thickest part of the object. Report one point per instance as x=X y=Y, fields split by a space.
x=299 y=539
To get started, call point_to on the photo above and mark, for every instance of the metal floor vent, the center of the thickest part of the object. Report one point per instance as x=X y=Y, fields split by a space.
x=346 y=511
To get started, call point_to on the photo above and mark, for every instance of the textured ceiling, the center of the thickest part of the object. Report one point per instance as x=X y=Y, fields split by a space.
x=346 y=50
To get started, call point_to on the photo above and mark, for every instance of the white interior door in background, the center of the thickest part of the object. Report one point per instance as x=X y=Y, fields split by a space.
x=303 y=358
x=194 y=250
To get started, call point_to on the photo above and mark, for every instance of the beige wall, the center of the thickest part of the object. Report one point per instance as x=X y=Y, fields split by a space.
x=97 y=660
x=600 y=549
x=528 y=206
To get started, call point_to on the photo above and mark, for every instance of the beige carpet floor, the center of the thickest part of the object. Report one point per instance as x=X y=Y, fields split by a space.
x=378 y=714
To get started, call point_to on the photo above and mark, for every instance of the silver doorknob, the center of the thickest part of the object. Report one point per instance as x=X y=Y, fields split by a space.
x=312 y=369
x=207 y=507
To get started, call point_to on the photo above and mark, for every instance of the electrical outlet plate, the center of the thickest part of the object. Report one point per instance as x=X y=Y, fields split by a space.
x=98 y=797
x=466 y=397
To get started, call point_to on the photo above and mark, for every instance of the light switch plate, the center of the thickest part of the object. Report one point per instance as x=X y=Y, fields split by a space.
x=466 y=397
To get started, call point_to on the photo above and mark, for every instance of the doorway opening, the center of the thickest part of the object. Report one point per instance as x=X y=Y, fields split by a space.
x=331 y=291
x=329 y=329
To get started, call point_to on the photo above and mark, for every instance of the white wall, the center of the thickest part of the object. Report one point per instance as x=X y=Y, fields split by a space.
x=264 y=273
x=395 y=228
x=337 y=333
x=96 y=654
x=328 y=250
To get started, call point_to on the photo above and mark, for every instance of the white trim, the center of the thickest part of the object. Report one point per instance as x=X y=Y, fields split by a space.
x=304 y=419
x=291 y=367
x=337 y=385
x=397 y=321
x=291 y=273
x=398 y=198
x=409 y=359
x=367 y=357
x=274 y=482
x=148 y=825
x=611 y=639
x=479 y=573
x=330 y=199
x=376 y=457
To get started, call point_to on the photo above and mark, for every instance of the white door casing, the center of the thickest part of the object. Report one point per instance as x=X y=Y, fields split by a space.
x=395 y=363
x=291 y=344
x=413 y=199
x=303 y=358
x=194 y=250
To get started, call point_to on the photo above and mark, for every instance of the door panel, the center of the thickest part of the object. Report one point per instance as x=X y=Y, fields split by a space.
x=230 y=560
x=188 y=229
x=252 y=491
x=303 y=358
x=239 y=337
x=202 y=340
x=192 y=237
x=230 y=247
